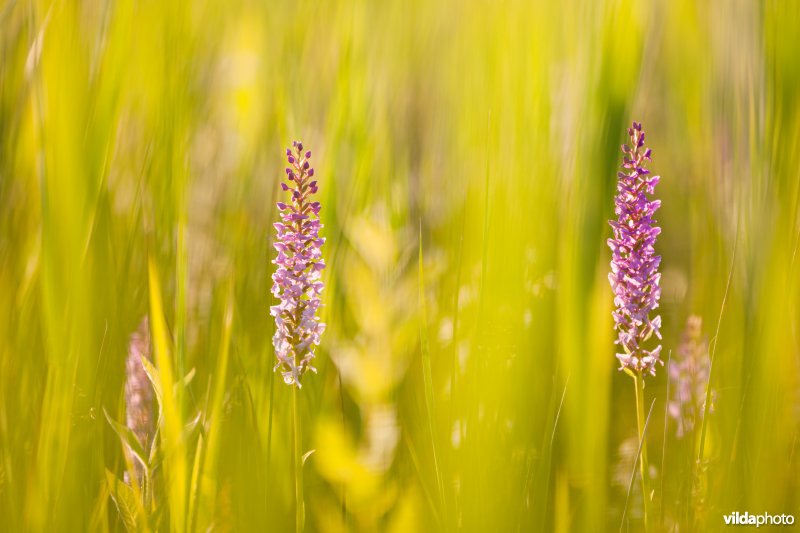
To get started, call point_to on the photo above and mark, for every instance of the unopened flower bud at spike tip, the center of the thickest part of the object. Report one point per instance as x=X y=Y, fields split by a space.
x=297 y=279
x=634 y=275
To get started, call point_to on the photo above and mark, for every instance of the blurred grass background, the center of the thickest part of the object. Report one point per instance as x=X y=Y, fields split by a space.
x=466 y=154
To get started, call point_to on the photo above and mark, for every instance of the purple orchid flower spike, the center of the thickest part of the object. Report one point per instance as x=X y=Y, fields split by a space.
x=634 y=273
x=297 y=282
x=635 y=280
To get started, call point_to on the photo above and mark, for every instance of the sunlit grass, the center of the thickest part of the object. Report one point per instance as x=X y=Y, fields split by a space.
x=466 y=157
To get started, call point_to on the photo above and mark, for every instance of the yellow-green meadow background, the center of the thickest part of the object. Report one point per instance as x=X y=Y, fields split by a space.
x=466 y=153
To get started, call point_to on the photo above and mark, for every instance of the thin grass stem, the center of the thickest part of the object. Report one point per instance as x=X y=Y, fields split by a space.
x=664 y=440
x=269 y=438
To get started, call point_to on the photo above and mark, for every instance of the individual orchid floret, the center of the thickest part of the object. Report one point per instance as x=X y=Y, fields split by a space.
x=297 y=282
x=634 y=273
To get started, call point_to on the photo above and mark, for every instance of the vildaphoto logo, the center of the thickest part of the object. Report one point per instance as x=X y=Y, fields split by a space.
x=763 y=519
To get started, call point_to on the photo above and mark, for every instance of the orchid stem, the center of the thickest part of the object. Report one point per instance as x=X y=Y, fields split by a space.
x=643 y=464
x=298 y=466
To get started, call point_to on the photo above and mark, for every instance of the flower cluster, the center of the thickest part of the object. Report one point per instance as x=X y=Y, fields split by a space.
x=139 y=393
x=634 y=273
x=689 y=372
x=297 y=280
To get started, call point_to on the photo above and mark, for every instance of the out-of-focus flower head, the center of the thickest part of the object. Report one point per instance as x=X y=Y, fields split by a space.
x=689 y=372
x=139 y=393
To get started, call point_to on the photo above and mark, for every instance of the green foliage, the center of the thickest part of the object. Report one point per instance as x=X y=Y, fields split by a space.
x=469 y=145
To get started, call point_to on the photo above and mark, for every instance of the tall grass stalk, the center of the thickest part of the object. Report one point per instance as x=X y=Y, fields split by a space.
x=664 y=438
x=427 y=376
